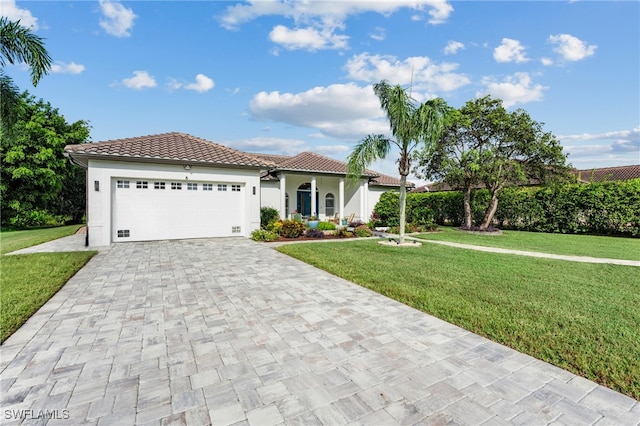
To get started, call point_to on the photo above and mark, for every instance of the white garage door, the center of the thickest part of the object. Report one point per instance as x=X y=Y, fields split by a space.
x=146 y=210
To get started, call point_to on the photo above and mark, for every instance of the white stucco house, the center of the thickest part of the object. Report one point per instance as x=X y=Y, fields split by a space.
x=174 y=186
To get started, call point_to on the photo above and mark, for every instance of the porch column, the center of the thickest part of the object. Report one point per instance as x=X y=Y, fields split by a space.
x=341 y=199
x=313 y=197
x=283 y=196
x=362 y=200
x=365 y=211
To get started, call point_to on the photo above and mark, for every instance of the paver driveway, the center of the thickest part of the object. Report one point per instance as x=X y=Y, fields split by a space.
x=229 y=331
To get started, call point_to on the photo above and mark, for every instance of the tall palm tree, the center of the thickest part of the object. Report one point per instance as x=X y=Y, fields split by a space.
x=411 y=124
x=19 y=44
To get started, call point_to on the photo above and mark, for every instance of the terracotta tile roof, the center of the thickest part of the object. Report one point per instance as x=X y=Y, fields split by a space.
x=272 y=158
x=608 y=174
x=312 y=162
x=167 y=147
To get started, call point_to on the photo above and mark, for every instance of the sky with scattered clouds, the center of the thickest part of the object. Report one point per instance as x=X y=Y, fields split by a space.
x=284 y=77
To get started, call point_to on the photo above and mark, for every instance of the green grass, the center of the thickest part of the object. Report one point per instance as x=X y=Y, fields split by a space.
x=27 y=281
x=576 y=245
x=16 y=240
x=580 y=317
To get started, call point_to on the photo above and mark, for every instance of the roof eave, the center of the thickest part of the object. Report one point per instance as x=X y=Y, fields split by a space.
x=82 y=158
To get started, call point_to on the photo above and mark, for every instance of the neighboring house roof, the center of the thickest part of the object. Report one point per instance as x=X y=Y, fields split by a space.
x=166 y=147
x=316 y=163
x=604 y=174
x=608 y=174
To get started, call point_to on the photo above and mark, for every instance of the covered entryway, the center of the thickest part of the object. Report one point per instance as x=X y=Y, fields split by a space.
x=144 y=210
x=304 y=200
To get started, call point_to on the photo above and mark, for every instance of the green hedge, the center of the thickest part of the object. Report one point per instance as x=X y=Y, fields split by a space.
x=607 y=208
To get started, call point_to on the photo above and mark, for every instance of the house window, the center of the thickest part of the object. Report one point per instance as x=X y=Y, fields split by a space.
x=123 y=233
x=329 y=204
x=235 y=188
x=176 y=185
x=158 y=185
x=222 y=187
x=123 y=184
x=235 y=230
x=207 y=187
x=192 y=186
x=141 y=184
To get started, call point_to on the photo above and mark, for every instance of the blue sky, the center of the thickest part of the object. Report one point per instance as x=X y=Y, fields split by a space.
x=290 y=76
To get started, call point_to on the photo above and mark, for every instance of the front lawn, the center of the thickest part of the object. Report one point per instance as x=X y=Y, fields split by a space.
x=16 y=240
x=29 y=280
x=581 y=317
x=569 y=244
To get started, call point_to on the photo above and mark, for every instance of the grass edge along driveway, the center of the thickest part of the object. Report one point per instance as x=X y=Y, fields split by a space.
x=28 y=281
x=578 y=316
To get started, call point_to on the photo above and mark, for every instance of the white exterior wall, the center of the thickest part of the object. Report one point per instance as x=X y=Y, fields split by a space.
x=374 y=195
x=100 y=203
x=270 y=194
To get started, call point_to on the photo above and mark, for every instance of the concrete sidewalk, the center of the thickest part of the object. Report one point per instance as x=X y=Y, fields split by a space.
x=228 y=331
x=582 y=259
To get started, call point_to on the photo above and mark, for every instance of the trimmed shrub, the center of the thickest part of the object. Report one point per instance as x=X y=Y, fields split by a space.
x=342 y=233
x=268 y=215
x=326 y=226
x=314 y=233
x=362 y=231
x=264 y=235
x=606 y=208
x=292 y=229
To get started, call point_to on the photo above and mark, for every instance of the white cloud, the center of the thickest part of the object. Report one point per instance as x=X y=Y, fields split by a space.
x=452 y=47
x=510 y=51
x=331 y=150
x=316 y=22
x=619 y=136
x=588 y=150
x=331 y=13
x=307 y=38
x=118 y=20
x=340 y=110
x=515 y=89
x=70 y=68
x=139 y=81
x=378 y=34
x=15 y=13
x=280 y=146
x=546 y=61
x=202 y=84
x=571 y=48
x=425 y=74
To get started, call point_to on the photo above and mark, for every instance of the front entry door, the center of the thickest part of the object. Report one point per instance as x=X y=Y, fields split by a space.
x=304 y=203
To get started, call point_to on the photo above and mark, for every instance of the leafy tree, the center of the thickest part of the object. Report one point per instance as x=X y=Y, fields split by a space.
x=37 y=182
x=411 y=125
x=19 y=44
x=484 y=145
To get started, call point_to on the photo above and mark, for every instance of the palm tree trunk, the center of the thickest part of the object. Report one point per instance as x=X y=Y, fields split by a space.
x=403 y=204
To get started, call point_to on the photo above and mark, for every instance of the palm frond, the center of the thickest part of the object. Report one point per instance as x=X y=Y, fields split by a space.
x=19 y=44
x=368 y=150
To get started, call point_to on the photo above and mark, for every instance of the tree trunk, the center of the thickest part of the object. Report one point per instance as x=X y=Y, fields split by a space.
x=491 y=210
x=467 y=208
x=403 y=204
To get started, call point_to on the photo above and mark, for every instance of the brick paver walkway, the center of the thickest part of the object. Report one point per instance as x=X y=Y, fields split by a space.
x=225 y=331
